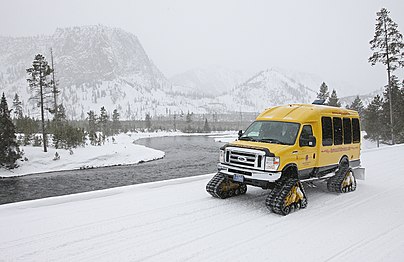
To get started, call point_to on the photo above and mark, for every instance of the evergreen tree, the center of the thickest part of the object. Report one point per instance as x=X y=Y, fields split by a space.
x=116 y=124
x=395 y=94
x=28 y=126
x=103 y=122
x=387 y=46
x=60 y=128
x=323 y=93
x=188 y=120
x=334 y=100
x=40 y=85
x=148 y=121
x=357 y=105
x=17 y=105
x=92 y=127
x=9 y=150
x=373 y=118
x=206 y=127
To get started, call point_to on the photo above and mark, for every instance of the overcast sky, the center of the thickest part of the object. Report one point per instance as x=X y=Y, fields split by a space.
x=326 y=38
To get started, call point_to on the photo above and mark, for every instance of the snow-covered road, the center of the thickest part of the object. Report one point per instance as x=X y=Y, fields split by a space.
x=177 y=220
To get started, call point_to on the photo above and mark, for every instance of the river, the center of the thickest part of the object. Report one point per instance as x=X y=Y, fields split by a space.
x=185 y=156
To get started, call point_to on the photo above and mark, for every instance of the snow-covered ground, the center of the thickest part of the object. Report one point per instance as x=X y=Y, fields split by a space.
x=177 y=220
x=120 y=152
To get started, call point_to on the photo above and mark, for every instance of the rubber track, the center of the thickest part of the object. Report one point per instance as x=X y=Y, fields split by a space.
x=334 y=183
x=277 y=196
x=214 y=183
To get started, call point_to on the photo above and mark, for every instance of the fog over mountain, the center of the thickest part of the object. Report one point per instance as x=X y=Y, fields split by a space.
x=102 y=66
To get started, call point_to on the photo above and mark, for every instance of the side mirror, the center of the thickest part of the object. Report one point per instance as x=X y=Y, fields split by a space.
x=240 y=133
x=312 y=141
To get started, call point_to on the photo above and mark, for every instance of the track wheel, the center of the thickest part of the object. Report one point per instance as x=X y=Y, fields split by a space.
x=294 y=199
x=222 y=190
x=349 y=182
x=287 y=196
x=243 y=189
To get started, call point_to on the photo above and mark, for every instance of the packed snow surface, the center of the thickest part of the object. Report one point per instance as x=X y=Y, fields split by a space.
x=177 y=220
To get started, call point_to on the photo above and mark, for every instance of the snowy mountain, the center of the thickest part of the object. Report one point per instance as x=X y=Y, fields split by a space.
x=209 y=81
x=101 y=66
x=268 y=88
x=95 y=66
x=366 y=99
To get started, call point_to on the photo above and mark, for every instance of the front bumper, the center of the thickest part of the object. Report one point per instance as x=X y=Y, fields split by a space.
x=250 y=175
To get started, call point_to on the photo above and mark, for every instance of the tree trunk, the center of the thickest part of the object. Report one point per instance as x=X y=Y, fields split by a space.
x=43 y=118
x=389 y=83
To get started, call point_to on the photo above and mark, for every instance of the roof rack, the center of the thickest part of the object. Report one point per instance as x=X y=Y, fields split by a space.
x=319 y=102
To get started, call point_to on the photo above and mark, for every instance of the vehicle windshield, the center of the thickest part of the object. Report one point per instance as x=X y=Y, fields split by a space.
x=284 y=133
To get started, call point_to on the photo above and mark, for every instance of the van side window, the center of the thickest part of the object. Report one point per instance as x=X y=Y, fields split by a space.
x=307 y=131
x=326 y=125
x=356 y=130
x=347 y=131
x=337 y=123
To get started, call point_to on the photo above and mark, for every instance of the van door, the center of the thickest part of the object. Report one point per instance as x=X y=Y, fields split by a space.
x=306 y=153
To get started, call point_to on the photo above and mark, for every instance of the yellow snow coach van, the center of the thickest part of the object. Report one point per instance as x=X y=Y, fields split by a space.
x=287 y=145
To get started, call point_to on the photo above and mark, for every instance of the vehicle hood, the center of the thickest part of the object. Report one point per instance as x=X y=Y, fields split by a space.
x=273 y=148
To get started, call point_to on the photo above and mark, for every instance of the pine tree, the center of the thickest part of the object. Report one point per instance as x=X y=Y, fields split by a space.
x=357 y=105
x=148 y=121
x=92 y=127
x=334 y=100
x=60 y=128
x=188 y=120
x=17 y=105
x=206 y=127
x=103 y=123
x=323 y=93
x=9 y=150
x=373 y=118
x=116 y=124
x=388 y=46
x=40 y=84
x=395 y=94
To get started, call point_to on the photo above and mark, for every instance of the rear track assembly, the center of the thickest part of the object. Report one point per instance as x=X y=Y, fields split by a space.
x=343 y=181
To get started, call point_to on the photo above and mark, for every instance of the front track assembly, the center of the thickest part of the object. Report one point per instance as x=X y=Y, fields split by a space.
x=287 y=196
x=221 y=186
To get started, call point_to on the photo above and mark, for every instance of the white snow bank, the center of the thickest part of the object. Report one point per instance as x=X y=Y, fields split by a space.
x=177 y=220
x=121 y=152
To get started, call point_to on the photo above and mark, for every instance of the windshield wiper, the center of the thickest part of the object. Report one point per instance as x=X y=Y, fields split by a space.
x=271 y=140
x=248 y=138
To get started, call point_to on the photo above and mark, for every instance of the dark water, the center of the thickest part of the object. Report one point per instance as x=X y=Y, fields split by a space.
x=185 y=156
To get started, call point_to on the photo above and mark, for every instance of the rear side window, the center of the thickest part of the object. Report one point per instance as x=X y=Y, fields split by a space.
x=356 y=131
x=326 y=125
x=337 y=123
x=347 y=131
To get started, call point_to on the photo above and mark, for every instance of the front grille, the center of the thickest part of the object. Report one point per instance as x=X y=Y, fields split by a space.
x=244 y=157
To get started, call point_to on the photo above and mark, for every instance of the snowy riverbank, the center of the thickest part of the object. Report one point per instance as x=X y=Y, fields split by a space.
x=120 y=152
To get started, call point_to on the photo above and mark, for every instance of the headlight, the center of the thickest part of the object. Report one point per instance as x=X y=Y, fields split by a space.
x=272 y=163
x=221 y=156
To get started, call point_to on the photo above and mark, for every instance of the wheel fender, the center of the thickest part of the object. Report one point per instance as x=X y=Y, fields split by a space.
x=290 y=171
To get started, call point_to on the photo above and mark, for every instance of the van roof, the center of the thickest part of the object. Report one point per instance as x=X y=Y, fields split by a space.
x=304 y=113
